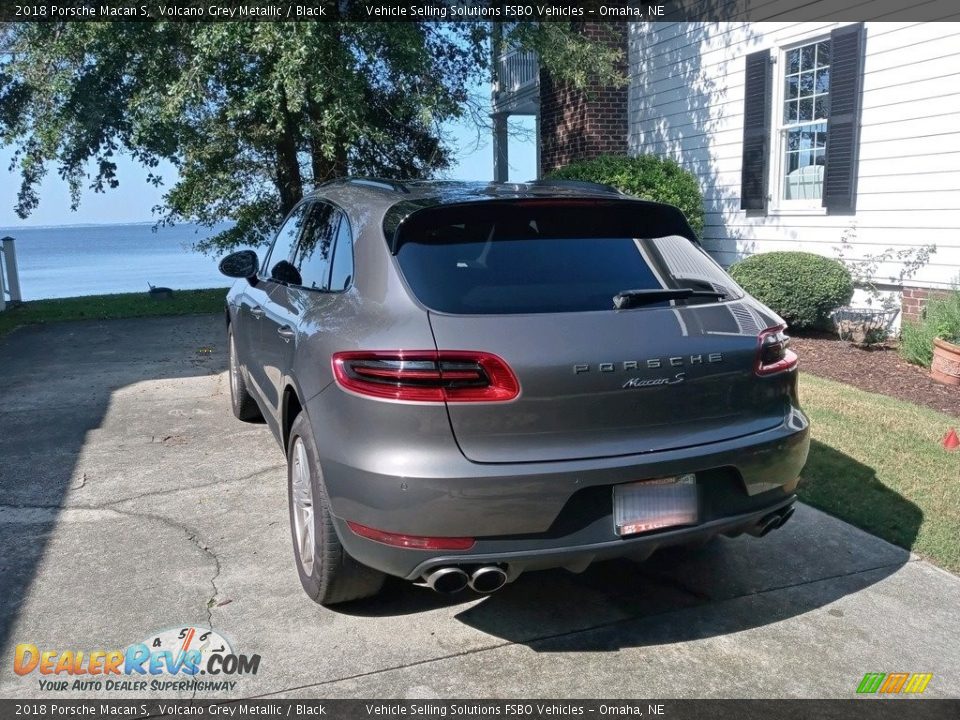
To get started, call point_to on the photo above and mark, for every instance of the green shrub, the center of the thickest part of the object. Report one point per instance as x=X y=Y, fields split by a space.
x=940 y=319
x=645 y=176
x=801 y=287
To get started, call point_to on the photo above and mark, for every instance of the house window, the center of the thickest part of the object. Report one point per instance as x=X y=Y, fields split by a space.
x=809 y=159
x=804 y=108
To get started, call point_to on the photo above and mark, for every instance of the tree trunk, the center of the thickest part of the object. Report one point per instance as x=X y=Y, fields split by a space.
x=289 y=180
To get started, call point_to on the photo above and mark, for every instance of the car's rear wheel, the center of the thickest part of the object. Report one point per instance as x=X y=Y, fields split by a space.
x=241 y=401
x=328 y=574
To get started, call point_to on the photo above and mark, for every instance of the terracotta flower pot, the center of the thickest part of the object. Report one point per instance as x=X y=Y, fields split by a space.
x=946 y=362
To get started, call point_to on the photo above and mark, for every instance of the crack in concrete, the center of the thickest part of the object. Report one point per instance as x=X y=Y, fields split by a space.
x=202 y=486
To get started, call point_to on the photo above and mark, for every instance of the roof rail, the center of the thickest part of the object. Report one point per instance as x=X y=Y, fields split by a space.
x=381 y=183
x=574 y=185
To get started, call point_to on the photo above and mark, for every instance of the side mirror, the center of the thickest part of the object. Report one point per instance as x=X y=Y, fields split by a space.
x=241 y=264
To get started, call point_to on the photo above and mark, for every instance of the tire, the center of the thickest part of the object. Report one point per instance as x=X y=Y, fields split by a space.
x=328 y=574
x=241 y=401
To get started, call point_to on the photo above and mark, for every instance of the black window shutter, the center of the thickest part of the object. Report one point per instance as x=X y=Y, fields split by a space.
x=756 y=132
x=843 y=128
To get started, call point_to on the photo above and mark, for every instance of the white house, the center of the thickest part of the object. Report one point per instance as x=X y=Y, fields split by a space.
x=824 y=136
x=809 y=135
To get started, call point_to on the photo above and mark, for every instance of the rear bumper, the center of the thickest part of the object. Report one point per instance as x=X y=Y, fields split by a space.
x=540 y=515
x=572 y=553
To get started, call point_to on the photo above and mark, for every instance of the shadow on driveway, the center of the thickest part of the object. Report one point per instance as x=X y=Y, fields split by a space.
x=59 y=383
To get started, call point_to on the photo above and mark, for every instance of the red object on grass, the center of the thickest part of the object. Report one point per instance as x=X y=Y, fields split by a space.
x=951 y=441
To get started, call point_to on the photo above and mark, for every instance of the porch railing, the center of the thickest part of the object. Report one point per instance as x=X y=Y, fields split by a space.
x=517 y=70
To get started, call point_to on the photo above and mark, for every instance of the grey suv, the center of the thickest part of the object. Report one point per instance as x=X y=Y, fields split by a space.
x=471 y=381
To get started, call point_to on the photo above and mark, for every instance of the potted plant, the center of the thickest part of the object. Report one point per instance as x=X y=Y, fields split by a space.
x=934 y=341
x=945 y=367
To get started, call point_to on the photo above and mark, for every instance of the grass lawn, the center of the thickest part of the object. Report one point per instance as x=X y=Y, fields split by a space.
x=103 y=307
x=878 y=463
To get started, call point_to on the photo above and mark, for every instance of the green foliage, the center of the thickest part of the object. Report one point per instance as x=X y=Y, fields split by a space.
x=645 y=176
x=803 y=288
x=252 y=114
x=865 y=267
x=940 y=319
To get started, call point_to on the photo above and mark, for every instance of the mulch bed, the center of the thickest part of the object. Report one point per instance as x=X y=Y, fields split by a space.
x=879 y=370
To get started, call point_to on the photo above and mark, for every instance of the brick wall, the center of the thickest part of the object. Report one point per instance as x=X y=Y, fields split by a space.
x=582 y=124
x=914 y=298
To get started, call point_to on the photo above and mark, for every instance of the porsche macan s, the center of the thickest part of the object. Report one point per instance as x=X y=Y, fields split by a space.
x=473 y=381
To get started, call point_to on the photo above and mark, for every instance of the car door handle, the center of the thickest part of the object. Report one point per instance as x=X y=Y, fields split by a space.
x=286 y=332
x=256 y=311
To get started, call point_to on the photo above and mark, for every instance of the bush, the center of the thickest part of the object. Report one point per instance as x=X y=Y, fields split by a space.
x=940 y=319
x=801 y=287
x=645 y=176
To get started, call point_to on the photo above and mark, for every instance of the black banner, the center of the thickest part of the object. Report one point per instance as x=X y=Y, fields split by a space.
x=875 y=709
x=473 y=10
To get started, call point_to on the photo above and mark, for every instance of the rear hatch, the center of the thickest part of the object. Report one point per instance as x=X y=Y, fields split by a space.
x=538 y=283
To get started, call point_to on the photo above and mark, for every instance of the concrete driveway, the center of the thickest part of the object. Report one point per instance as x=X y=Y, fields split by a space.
x=132 y=501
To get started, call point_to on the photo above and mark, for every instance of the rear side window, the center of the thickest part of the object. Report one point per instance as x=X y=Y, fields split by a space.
x=551 y=256
x=342 y=271
x=315 y=251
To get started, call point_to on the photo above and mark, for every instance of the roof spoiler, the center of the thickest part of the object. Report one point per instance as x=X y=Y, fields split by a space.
x=574 y=185
x=374 y=182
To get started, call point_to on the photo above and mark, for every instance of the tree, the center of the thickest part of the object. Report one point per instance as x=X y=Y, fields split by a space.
x=252 y=114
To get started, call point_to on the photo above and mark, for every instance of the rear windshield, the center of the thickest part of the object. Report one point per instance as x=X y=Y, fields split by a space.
x=547 y=256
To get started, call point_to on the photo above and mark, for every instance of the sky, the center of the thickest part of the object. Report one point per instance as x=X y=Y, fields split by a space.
x=134 y=199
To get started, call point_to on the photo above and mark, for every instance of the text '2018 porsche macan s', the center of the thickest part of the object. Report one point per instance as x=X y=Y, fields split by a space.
x=475 y=381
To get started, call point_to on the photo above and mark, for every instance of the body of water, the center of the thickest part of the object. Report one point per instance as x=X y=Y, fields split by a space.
x=97 y=259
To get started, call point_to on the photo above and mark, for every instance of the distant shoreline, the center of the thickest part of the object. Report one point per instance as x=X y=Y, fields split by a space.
x=9 y=229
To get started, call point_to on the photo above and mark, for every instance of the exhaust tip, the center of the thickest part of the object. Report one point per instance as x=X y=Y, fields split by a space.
x=771 y=522
x=447 y=580
x=488 y=579
x=764 y=525
x=786 y=516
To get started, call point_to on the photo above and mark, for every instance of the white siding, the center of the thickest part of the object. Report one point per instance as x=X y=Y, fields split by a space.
x=686 y=102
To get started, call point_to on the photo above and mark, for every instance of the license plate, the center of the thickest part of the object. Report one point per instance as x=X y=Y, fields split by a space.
x=654 y=504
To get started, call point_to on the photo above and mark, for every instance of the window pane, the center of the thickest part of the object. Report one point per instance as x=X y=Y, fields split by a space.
x=821 y=109
x=821 y=139
x=790 y=111
x=823 y=80
x=806 y=110
x=807 y=57
x=316 y=246
x=792 y=86
x=806 y=84
x=823 y=53
x=278 y=262
x=793 y=61
x=803 y=163
x=342 y=271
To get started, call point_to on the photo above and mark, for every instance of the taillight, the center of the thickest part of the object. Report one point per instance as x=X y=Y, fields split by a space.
x=426 y=375
x=774 y=355
x=415 y=542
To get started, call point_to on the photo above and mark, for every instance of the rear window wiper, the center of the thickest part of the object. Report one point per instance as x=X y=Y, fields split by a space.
x=632 y=298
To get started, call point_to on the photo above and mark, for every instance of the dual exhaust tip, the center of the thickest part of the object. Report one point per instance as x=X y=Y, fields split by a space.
x=450 y=580
x=772 y=522
x=490 y=578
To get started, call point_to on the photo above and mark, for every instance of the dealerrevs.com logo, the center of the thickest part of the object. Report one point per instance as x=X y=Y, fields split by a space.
x=171 y=660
